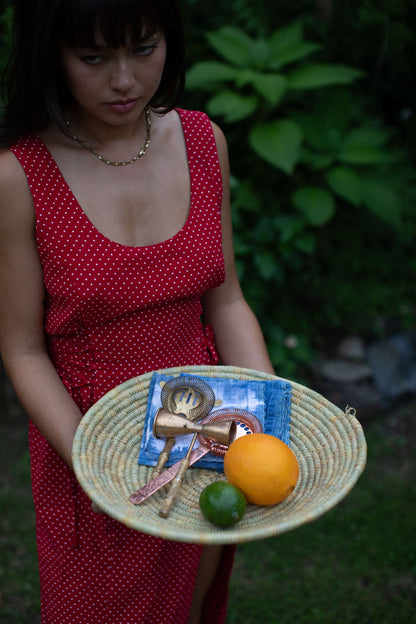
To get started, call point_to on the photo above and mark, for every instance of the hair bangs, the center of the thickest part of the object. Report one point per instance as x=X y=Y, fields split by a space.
x=117 y=21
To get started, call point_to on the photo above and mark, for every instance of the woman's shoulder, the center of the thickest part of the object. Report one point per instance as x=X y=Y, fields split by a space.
x=11 y=172
x=193 y=116
x=10 y=169
x=200 y=117
x=15 y=196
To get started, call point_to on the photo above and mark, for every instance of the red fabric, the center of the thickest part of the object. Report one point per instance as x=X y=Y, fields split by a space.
x=114 y=312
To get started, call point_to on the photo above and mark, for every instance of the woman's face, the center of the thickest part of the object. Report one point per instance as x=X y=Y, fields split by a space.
x=114 y=85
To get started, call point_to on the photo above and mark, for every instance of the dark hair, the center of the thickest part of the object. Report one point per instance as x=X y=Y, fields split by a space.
x=33 y=87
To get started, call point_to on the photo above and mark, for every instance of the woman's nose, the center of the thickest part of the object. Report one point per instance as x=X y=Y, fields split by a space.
x=122 y=76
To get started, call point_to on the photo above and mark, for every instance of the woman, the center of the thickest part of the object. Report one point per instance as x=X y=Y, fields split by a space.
x=115 y=241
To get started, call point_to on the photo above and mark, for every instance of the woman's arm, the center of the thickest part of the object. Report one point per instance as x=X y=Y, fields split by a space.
x=22 y=345
x=238 y=339
x=238 y=336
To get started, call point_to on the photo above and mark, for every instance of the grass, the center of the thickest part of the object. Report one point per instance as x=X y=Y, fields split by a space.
x=19 y=581
x=355 y=565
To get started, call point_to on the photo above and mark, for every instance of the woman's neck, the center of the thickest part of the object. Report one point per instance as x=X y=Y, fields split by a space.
x=102 y=136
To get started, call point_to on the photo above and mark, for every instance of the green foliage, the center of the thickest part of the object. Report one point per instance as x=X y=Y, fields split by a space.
x=5 y=28
x=378 y=36
x=278 y=142
x=304 y=154
x=253 y=83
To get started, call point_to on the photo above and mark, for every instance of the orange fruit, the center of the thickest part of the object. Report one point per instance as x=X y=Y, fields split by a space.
x=263 y=467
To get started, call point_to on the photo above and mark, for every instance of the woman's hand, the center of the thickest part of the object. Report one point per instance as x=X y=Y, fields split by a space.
x=95 y=508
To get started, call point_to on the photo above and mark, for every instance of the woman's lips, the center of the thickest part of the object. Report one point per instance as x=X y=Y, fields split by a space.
x=122 y=106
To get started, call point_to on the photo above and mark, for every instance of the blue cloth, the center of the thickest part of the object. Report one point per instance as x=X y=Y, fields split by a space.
x=269 y=401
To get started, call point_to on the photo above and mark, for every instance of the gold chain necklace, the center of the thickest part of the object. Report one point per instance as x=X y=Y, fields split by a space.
x=114 y=162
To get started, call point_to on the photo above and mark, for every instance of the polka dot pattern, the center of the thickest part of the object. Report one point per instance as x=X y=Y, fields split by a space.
x=113 y=312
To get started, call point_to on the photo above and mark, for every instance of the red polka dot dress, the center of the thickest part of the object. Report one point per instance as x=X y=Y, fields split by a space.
x=113 y=312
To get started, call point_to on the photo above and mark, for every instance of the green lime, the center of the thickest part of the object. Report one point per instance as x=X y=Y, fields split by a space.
x=222 y=504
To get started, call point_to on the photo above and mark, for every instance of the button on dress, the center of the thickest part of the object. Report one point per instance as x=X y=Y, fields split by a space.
x=113 y=312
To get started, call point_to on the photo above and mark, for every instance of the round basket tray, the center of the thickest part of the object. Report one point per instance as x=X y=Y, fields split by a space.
x=329 y=444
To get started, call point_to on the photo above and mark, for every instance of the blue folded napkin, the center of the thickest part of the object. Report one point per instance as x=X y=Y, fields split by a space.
x=269 y=401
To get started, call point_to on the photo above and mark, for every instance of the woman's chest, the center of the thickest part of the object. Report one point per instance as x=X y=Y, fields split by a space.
x=114 y=239
x=137 y=206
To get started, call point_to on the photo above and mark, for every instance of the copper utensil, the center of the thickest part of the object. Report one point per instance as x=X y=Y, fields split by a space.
x=167 y=425
x=223 y=432
x=245 y=423
x=177 y=481
x=187 y=395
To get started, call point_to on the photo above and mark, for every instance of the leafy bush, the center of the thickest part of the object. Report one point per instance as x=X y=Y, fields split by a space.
x=5 y=27
x=378 y=36
x=306 y=161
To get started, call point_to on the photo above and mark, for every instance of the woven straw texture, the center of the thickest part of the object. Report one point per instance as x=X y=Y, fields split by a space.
x=329 y=444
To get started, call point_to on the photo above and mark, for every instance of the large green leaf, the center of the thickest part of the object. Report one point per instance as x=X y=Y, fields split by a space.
x=317 y=204
x=363 y=155
x=232 y=106
x=270 y=86
x=326 y=126
x=286 y=36
x=260 y=54
x=369 y=135
x=207 y=73
x=317 y=133
x=315 y=160
x=312 y=127
x=232 y=44
x=346 y=183
x=278 y=142
x=322 y=75
x=364 y=146
x=292 y=53
x=287 y=46
x=382 y=199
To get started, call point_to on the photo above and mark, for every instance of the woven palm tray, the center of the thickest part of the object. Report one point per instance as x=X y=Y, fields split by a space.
x=329 y=444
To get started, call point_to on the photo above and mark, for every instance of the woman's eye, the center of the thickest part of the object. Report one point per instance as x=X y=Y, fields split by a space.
x=144 y=50
x=92 y=59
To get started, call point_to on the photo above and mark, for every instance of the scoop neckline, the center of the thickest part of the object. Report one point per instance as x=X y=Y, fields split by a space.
x=98 y=232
